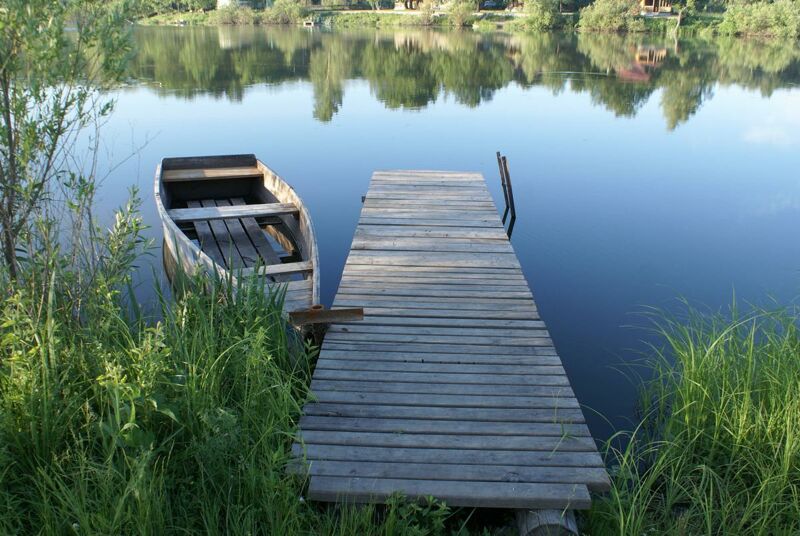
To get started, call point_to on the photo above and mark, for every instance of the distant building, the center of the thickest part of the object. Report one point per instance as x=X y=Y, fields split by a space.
x=221 y=4
x=656 y=6
x=650 y=56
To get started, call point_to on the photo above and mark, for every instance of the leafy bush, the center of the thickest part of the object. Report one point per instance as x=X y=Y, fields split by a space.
x=144 y=8
x=541 y=15
x=460 y=12
x=774 y=19
x=426 y=12
x=235 y=15
x=611 y=16
x=284 y=12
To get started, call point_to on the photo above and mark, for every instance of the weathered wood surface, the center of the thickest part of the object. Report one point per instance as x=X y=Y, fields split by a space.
x=450 y=386
x=231 y=212
x=181 y=175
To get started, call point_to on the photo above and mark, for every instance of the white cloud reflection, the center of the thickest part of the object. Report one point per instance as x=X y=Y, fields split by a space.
x=781 y=129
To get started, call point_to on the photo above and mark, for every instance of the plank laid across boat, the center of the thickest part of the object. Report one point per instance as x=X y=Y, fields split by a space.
x=233 y=216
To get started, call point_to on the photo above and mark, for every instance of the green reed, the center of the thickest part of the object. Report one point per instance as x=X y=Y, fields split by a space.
x=718 y=451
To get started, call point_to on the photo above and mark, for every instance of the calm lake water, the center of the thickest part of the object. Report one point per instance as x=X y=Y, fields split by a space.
x=644 y=170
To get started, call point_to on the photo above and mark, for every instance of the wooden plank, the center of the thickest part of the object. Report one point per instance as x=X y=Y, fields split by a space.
x=474 y=188
x=441 y=377
x=453 y=205
x=440 y=340
x=426 y=426
x=385 y=274
x=240 y=239
x=429 y=400
x=490 y=260
x=326 y=316
x=450 y=368
x=462 y=359
x=410 y=312
x=437 y=348
x=183 y=175
x=457 y=355
x=422 y=302
x=552 y=414
x=596 y=478
x=430 y=246
x=350 y=287
x=406 y=329
x=470 y=182
x=450 y=322
x=438 y=182
x=448 y=201
x=487 y=223
x=265 y=250
x=418 y=231
x=438 y=441
x=221 y=213
x=450 y=456
x=442 y=213
x=440 y=271
x=281 y=269
x=414 y=338
x=387 y=386
x=230 y=253
x=208 y=244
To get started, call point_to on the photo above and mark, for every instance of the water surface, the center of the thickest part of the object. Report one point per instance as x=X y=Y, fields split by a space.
x=644 y=170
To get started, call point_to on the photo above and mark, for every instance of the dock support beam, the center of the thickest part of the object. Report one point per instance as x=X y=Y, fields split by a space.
x=546 y=523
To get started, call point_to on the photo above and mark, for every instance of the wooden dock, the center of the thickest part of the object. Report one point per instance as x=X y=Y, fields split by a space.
x=451 y=385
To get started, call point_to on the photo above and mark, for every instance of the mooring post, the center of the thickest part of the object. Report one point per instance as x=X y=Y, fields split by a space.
x=546 y=523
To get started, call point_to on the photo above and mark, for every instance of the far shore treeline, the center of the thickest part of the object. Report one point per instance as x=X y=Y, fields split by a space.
x=413 y=68
x=763 y=18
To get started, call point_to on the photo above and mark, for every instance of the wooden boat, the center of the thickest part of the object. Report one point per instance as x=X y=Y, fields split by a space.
x=233 y=216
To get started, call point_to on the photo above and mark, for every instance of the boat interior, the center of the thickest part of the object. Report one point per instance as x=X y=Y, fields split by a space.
x=222 y=205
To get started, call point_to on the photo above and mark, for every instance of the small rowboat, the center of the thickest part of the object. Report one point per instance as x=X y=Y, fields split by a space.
x=233 y=216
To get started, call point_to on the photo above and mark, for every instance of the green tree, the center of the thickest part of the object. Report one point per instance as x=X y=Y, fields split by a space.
x=542 y=15
x=50 y=90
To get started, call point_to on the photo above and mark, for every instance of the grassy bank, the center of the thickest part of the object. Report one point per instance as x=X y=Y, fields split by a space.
x=719 y=449
x=111 y=423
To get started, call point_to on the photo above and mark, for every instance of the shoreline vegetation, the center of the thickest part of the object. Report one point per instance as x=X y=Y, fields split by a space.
x=764 y=19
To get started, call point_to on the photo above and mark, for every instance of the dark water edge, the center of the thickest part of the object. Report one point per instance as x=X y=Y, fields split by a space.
x=645 y=169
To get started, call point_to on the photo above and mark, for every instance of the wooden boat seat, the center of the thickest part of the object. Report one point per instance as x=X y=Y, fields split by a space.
x=181 y=175
x=225 y=212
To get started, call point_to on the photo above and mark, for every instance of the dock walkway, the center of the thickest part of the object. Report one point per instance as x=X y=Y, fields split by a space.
x=451 y=385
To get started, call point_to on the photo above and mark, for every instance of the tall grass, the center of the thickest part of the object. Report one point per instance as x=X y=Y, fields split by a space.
x=112 y=423
x=719 y=449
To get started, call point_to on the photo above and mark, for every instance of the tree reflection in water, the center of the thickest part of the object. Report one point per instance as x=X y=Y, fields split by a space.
x=412 y=68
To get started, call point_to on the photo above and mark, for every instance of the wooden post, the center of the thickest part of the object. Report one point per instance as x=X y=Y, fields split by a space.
x=503 y=183
x=318 y=330
x=546 y=523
